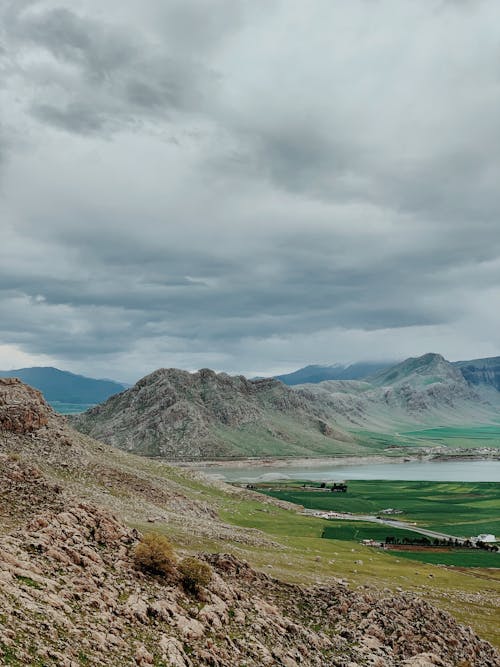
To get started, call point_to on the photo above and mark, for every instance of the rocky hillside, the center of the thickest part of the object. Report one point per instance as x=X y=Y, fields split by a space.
x=485 y=372
x=72 y=593
x=177 y=414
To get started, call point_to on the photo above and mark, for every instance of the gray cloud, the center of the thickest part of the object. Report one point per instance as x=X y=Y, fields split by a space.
x=250 y=186
x=93 y=76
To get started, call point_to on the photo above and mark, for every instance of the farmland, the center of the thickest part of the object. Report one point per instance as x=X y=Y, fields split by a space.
x=461 y=509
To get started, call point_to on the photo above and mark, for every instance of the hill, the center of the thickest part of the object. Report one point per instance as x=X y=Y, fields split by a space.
x=73 y=510
x=177 y=414
x=65 y=387
x=318 y=373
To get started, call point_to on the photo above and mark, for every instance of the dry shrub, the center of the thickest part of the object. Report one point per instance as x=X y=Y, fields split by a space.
x=195 y=574
x=155 y=554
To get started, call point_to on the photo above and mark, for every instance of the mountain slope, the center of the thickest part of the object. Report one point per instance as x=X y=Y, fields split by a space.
x=421 y=391
x=66 y=387
x=178 y=414
x=484 y=372
x=71 y=594
x=318 y=373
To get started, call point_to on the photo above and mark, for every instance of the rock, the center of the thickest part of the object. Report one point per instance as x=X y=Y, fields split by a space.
x=173 y=651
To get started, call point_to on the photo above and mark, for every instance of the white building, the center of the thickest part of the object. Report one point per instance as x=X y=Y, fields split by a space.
x=486 y=537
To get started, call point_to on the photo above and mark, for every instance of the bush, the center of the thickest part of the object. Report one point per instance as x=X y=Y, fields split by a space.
x=155 y=554
x=195 y=574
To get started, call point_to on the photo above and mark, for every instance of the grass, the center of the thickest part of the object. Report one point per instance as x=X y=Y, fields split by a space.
x=304 y=557
x=360 y=530
x=455 y=557
x=459 y=436
x=456 y=508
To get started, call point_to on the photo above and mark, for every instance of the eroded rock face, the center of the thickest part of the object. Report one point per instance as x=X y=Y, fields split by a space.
x=22 y=408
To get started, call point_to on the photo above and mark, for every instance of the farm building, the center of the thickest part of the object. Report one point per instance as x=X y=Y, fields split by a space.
x=485 y=537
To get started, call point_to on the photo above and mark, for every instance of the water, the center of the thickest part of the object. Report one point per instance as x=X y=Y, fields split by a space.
x=437 y=471
x=70 y=408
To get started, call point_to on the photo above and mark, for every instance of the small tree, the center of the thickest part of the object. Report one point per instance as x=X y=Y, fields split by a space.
x=195 y=574
x=155 y=554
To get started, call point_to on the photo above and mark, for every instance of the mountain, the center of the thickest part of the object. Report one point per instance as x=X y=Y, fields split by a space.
x=180 y=415
x=65 y=387
x=74 y=511
x=426 y=391
x=481 y=371
x=318 y=373
x=177 y=414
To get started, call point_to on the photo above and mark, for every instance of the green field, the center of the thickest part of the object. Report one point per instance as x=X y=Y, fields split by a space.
x=455 y=557
x=304 y=555
x=457 y=508
x=462 y=509
x=361 y=530
x=458 y=436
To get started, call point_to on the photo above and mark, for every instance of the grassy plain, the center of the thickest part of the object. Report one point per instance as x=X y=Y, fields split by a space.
x=455 y=557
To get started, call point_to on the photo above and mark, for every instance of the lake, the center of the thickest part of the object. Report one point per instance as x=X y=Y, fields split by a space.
x=431 y=471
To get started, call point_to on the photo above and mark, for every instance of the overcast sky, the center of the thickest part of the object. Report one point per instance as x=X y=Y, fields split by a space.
x=247 y=185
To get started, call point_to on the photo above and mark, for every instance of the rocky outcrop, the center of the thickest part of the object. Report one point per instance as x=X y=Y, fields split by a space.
x=70 y=595
x=22 y=408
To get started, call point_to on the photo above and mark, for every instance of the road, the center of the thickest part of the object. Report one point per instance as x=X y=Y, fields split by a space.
x=393 y=523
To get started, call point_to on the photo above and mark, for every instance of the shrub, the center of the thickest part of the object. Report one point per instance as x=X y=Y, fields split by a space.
x=155 y=554
x=195 y=574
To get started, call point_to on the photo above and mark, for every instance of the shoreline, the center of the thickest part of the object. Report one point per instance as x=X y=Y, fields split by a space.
x=336 y=461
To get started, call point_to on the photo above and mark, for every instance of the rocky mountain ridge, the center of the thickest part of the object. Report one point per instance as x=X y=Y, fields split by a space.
x=178 y=414
x=71 y=593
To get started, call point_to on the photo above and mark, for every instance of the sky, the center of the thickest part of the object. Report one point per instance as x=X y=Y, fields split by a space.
x=247 y=185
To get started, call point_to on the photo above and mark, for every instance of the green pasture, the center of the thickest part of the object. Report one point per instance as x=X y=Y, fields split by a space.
x=457 y=508
x=455 y=557
x=361 y=530
x=459 y=436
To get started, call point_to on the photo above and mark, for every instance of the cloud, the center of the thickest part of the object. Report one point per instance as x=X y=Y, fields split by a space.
x=93 y=76
x=248 y=186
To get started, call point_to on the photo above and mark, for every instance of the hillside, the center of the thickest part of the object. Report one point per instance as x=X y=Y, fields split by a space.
x=484 y=372
x=426 y=391
x=64 y=387
x=177 y=414
x=71 y=514
x=318 y=373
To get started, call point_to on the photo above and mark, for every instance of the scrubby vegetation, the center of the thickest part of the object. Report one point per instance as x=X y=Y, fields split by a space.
x=195 y=574
x=155 y=554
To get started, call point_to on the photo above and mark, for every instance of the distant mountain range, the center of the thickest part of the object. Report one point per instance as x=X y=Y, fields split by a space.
x=64 y=387
x=177 y=414
x=318 y=373
x=476 y=371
